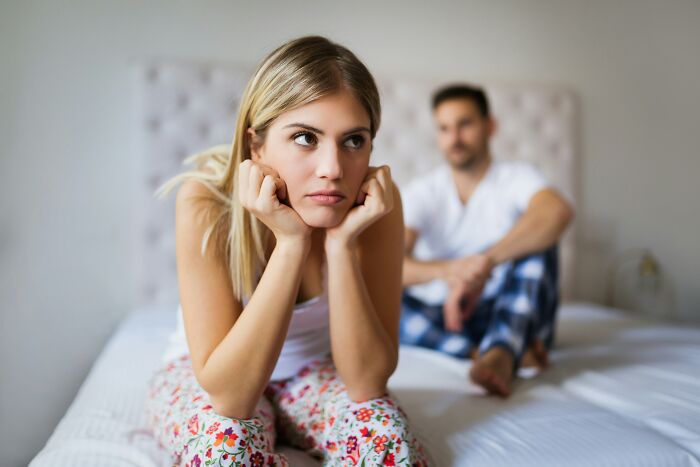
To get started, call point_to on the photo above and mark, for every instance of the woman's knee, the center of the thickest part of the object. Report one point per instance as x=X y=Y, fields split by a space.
x=376 y=430
x=209 y=435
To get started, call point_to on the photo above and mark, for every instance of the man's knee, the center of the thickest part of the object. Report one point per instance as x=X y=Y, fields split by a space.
x=537 y=266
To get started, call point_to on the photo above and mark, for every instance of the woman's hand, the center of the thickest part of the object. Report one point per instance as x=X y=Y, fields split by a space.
x=374 y=200
x=261 y=191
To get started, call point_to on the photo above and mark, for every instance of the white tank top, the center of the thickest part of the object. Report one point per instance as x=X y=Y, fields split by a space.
x=308 y=337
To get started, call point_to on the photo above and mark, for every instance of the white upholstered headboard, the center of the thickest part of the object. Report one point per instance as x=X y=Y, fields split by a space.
x=185 y=107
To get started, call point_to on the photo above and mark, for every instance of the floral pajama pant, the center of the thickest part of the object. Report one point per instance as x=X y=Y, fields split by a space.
x=310 y=411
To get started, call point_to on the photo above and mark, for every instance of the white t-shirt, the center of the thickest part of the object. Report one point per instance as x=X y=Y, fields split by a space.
x=449 y=229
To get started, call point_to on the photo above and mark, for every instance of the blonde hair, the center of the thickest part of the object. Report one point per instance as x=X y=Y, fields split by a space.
x=295 y=74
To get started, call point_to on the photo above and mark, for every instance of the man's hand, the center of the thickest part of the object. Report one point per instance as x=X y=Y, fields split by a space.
x=475 y=270
x=466 y=277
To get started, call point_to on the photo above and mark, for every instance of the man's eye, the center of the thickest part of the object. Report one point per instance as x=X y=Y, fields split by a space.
x=355 y=142
x=305 y=139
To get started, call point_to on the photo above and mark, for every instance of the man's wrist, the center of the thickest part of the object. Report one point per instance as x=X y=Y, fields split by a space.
x=492 y=257
x=444 y=270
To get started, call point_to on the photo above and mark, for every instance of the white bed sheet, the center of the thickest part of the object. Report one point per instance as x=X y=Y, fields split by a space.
x=620 y=392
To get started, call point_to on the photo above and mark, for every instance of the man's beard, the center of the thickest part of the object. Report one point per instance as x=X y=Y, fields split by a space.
x=472 y=157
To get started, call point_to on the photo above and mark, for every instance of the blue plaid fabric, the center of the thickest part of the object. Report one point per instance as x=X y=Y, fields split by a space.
x=517 y=306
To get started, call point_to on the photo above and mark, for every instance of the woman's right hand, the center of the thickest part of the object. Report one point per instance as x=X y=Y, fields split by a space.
x=260 y=191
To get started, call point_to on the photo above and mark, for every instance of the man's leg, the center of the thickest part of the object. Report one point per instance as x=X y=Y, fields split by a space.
x=523 y=313
x=424 y=326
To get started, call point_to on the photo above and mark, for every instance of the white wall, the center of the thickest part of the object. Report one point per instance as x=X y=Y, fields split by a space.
x=65 y=150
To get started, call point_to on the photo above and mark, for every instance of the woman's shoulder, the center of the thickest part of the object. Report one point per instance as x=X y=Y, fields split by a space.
x=190 y=191
x=196 y=205
x=200 y=217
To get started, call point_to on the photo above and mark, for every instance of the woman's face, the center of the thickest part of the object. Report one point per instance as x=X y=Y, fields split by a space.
x=321 y=150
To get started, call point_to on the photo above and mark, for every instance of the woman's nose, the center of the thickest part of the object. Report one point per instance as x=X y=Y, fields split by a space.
x=329 y=163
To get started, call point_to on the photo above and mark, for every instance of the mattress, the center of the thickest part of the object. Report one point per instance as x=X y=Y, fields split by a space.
x=620 y=391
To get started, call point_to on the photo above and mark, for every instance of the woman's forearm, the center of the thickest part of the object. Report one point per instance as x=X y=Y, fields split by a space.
x=363 y=353
x=239 y=368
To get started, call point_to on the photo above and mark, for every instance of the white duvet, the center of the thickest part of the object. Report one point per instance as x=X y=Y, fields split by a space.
x=620 y=392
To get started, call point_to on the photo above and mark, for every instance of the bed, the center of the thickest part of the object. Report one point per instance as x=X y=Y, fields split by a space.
x=621 y=391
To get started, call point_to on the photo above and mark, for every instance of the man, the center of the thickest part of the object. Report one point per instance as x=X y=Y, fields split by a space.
x=481 y=250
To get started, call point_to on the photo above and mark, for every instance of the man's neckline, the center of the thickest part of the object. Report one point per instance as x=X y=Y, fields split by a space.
x=478 y=185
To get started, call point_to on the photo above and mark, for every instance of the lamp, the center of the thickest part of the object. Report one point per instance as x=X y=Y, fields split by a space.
x=637 y=282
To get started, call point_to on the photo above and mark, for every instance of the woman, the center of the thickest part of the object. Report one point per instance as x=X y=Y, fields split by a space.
x=289 y=253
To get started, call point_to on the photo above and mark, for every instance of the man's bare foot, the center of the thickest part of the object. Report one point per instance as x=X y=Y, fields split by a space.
x=493 y=371
x=535 y=356
x=474 y=353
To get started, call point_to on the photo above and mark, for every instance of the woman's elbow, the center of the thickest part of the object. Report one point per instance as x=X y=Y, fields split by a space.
x=232 y=408
x=368 y=387
x=229 y=405
x=366 y=393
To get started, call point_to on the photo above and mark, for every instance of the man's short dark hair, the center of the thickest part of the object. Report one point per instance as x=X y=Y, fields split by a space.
x=463 y=91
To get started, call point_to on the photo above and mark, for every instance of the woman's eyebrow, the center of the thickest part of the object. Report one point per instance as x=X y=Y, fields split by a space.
x=357 y=130
x=320 y=132
x=306 y=127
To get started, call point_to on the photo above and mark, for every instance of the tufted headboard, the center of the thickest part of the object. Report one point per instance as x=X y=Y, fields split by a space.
x=185 y=107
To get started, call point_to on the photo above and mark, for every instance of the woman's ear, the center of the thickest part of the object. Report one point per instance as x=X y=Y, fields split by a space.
x=254 y=144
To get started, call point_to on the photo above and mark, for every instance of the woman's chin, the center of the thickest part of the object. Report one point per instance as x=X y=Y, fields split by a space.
x=319 y=219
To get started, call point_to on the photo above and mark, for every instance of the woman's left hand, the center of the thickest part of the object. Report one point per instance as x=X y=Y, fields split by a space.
x=374 y=200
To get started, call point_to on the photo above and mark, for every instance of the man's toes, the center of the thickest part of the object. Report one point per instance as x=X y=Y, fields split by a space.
x=530 y=360
x=541 y=353
x=490 y=380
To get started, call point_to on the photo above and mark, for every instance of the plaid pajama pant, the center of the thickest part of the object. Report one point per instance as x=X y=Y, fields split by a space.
x=518 y=305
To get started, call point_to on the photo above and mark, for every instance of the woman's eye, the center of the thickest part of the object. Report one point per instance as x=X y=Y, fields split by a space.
x=355 y=142
x=305 y=139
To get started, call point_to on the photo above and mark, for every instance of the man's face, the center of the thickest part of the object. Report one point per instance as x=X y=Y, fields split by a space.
x=463 y=132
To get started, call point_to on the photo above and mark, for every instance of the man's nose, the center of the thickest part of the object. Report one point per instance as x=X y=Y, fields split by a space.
x=329 y=164
x=454 y=136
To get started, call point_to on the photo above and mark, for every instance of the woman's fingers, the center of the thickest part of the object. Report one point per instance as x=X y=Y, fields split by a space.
x=267 y=198
x=384 y=178
x=261 y=190
x=376 y=194
x=250 y=179
x=379 y=195
x=255 y=179
x=280 y=188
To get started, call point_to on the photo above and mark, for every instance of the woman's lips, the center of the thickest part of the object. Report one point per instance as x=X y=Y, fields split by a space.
x=327 y=197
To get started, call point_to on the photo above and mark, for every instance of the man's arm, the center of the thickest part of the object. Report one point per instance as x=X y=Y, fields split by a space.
x=541 y=225
x=415 y=271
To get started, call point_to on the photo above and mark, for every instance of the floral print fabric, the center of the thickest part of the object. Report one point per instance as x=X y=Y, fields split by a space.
x=311 y=411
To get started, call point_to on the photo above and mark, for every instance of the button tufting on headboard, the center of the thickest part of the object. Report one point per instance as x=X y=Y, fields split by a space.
x=186 y=107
